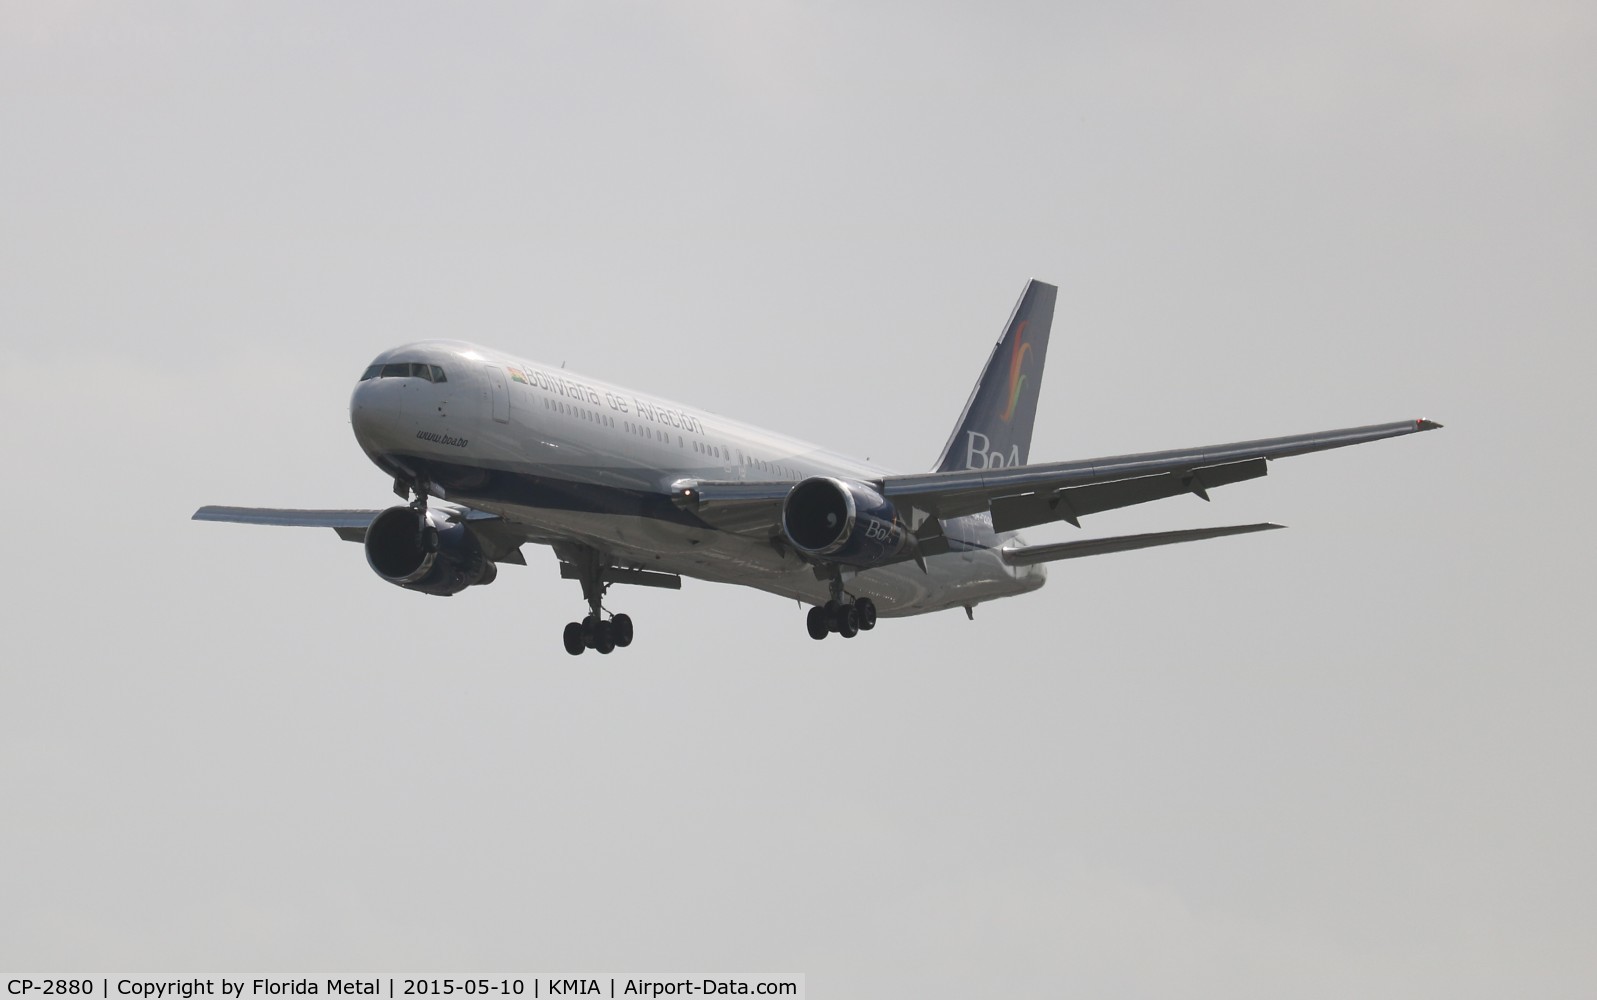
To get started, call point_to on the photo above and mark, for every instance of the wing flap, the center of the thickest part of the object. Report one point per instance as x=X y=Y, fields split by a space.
x=1073 y=502
x=622 y=574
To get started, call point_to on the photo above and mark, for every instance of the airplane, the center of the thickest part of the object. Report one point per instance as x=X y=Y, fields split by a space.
x=630 y=488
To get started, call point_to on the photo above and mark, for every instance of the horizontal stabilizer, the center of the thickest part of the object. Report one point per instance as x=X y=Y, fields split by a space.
x=1123 y=543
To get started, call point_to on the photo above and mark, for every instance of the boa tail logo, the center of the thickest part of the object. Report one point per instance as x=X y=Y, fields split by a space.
x=1017 y=358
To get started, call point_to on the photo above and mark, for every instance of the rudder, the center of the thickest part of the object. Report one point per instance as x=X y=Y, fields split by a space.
x=995 y=429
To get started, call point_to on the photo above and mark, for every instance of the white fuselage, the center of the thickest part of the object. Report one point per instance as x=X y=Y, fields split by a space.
x=593 y=463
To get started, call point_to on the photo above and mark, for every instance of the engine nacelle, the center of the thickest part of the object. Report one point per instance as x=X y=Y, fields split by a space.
x=843 y=522
x=438 y=556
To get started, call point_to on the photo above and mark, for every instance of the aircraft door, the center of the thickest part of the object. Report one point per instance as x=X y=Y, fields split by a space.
x=498 y=394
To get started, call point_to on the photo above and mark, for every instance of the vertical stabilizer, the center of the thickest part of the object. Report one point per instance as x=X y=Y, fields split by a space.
x=995 y=429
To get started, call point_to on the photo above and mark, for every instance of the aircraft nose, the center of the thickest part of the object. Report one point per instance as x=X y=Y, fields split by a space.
x=374 y=407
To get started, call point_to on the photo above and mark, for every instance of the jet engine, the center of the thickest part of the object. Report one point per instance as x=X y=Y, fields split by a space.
x=843 y=522
x=433 y=555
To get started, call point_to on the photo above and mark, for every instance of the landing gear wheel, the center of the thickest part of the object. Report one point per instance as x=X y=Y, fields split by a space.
x=866 y=609
x=848 y=622
x=590 y=567
x=621 y=628
x=817 y=623
x=575 y=643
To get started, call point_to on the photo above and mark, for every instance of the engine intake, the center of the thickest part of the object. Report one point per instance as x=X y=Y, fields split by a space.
x=843 y=522
x=435 y=556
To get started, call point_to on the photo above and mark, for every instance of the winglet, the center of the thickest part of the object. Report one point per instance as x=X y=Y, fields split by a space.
x=1426 y=425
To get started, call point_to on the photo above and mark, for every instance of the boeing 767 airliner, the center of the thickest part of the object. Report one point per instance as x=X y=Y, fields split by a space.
x=628 y=488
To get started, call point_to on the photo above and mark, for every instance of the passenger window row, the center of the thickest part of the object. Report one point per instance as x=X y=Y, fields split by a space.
x=648 y=432
x=768 y=467
x=579 y=412
x=723 y=452
x=715 y=451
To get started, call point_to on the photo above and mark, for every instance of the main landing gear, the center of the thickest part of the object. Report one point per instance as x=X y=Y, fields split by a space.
x=595 y=631
x=846 y=617
x=598 y=634
x=847 y=620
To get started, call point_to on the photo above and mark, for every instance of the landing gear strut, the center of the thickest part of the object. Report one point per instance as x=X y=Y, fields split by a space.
x=595 y=631
x=846 y=617
x=428 y=533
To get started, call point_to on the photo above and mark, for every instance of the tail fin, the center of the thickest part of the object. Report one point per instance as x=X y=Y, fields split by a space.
x=995 y=429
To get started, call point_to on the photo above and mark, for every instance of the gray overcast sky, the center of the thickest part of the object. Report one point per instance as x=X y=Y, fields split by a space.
x=1355 y=758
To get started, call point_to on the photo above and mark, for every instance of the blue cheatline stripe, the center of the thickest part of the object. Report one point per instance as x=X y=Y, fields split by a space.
x=530 y=489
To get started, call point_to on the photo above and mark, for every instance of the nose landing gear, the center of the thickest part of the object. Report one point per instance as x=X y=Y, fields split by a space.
x=427 y=538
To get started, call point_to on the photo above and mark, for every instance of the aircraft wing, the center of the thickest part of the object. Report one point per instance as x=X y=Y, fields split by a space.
x=1025 y=495
x=504 y=538
x=350 y=524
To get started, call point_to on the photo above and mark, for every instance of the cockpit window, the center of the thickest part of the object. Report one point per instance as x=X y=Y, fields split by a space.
x=405 y=369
